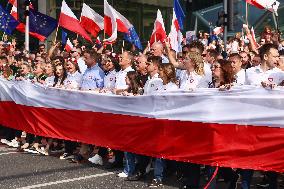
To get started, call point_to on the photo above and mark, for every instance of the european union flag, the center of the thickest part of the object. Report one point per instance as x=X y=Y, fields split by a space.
x=7 y=22
x=41 y=23
x=133 y=38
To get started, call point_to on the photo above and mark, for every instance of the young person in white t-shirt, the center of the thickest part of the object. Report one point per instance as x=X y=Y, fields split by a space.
x=240 y=73
x=153 y=83
x=168 y=74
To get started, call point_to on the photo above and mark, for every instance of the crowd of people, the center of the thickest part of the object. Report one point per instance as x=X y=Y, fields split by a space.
x=203 y=63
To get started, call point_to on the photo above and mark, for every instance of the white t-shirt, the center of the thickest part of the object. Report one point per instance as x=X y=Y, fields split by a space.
x=208 y=73
x=120 y=82
x=241 y=77
x=192 y=81
x=169 y=87
x=49 y=81
x=153 y=84
x=73 y=81
x=109 y=80
x=82 y=65
x=255 y=75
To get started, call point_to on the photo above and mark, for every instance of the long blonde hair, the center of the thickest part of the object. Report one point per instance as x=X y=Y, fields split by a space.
x=197 y=60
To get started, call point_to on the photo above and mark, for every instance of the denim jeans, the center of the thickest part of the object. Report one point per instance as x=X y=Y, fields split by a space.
x=129 y=167
x=246 y=176
x=159 y=169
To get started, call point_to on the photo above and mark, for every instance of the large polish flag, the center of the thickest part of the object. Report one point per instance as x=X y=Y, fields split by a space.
x=159 y=32
x=91 y=21
x=175 y=35
x=69 y=21
x=228 y=129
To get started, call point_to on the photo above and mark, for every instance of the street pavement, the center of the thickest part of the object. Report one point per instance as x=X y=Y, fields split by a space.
x=20 y=170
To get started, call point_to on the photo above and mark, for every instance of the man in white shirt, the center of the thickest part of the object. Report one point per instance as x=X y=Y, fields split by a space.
x=209 y=59
x=240 y=74
x=157 y=49
x=154 y=83
x=125 y=62
x=76 y=53
x=266 y=74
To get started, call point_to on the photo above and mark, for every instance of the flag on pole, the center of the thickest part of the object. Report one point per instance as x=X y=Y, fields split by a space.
x=14 y=10
x=271 y=5
x=179 y=13
x=7 y=22
x=253 y=38
x=22 y=27
x=69 y=21
x=41 y=24
x=159 y=32
x=114 y=22
x=218 y=30
x=69 y=46
x=175 y=35
x=91 y=21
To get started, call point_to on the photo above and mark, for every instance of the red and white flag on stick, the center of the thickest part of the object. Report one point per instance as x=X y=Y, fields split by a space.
x=69 y=21
x=253 y=38
x=110 y=24
x=14 y=11
x=69 y=46
x=271 y=5
x=159 y=32
x=91 y=21
x=218 y=30
x=175 y=36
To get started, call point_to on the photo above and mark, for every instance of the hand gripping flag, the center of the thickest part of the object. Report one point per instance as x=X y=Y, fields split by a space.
x=91 y=21
x=69 y=21
x=7 y=22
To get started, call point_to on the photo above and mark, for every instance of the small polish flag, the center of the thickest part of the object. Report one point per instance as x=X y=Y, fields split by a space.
x=69 y=46
x=218 y=30
x=253 y=38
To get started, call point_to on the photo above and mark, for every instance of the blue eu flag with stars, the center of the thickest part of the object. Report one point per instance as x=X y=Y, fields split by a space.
x=133 y=38
x=41 y=23
x=7 y=22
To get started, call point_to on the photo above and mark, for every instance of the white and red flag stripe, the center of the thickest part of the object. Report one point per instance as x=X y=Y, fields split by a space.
x=91 y=21
x=110 y=24
x=253 y=38
x=175 y=35
x=69 y=21
x=114 y=22
x=69 y=46
x=14 y=10
x=228 y=129
x=271 y=5
x=159 y=32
